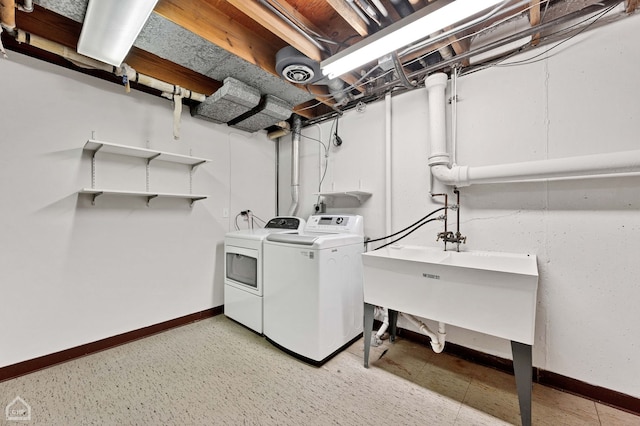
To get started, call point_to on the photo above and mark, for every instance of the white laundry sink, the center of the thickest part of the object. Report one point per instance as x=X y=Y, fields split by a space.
x=488 y=292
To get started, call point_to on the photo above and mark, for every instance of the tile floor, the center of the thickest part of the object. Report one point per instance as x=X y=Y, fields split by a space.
x=216 y=372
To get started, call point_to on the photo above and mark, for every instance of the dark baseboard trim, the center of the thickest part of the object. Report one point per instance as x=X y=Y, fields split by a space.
x=29 y=366
x=547 y=378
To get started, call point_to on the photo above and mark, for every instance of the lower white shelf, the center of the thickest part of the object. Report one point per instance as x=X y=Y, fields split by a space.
x=361 y=196
x=96 y=192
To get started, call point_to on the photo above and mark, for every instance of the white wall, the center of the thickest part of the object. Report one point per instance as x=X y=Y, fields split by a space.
x=581 y=99
x=72 y=273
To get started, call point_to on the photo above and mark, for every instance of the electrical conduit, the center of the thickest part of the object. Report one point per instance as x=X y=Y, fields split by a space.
x=560 y=168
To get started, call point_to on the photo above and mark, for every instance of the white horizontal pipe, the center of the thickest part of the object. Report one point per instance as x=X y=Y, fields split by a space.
x=558 y=168
x=132 y=75
x=586 y=165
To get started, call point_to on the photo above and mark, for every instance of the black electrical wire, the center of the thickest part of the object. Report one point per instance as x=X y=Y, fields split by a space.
x=259 y=219
x=408 y=227
x=408 y=233
x=499 y=63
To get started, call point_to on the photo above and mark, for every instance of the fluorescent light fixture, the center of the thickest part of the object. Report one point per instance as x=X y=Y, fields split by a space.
x=111 y=27
x=417 y=26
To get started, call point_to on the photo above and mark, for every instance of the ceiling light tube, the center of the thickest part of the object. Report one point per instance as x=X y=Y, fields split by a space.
x=111 y=27
x=417 y=26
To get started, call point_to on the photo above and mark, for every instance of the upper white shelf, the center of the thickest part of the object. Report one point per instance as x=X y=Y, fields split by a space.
x=96 y=192
x=359 y=195
x=113 y=148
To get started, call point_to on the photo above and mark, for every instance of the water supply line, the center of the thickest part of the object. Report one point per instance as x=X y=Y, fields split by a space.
x=127 y=73
x=437 y=339
x=559 y=168
x=27 y=6
x=295 y=164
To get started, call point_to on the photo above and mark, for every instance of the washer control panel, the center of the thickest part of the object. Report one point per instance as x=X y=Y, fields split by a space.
x=351 y=224
x=286 y=222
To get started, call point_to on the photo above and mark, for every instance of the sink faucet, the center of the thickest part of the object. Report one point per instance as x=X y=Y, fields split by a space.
x=450 y=237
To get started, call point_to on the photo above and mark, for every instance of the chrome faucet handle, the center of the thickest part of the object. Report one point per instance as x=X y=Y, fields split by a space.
x=447 y=236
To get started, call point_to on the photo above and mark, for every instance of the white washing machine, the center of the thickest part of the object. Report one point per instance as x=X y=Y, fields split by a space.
x=313 y=297
x=243 y=270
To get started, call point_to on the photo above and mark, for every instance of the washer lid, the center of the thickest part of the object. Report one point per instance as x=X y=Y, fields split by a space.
x=315 y=241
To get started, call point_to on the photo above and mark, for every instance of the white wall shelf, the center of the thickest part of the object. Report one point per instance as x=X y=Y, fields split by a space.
x=361 y=196
x=96 y=192
x=113 y=148
x=95 y=146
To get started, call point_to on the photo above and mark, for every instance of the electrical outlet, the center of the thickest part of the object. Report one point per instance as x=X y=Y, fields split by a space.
x=320 y=208
x=225 y=212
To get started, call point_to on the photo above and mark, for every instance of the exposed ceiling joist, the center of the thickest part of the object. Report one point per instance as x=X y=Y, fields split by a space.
x=349 y=15
x=209 y=21
x=265 y=17
x=289 y=10
x=534 y=20
x=196 y=44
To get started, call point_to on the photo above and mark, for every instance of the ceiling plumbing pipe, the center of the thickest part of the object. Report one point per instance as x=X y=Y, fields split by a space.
x=359 y=12
x=383 y=10
x=295 y=164
x=27 y=6
x=336 y=89
x=368 y=10
x=403 y=7
x=292 y=24
x=559 y=168
x=128 y=74
x=437 y=339
x=86 y=62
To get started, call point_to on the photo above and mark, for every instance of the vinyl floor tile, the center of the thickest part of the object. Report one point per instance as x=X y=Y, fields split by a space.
x=612 y=417
x=216 y=372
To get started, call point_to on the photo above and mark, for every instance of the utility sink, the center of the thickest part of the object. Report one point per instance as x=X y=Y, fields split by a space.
x=488 y=292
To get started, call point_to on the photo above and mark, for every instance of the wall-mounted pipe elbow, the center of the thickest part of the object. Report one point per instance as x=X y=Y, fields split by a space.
x=455 y=176
x=557 y=168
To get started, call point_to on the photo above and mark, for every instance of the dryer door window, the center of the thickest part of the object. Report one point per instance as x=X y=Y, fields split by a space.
x=242 y=269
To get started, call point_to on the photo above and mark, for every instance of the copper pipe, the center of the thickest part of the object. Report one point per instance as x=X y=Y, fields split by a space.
x=8 y=15
x=446 y=212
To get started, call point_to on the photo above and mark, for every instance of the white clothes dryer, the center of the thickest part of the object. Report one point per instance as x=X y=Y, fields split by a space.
x=243 y=270
x=313 y=297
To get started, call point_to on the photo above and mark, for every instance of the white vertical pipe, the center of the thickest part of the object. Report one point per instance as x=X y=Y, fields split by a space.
x=559 y=168
x=435 y=84
x=387 y=159
x=295 y=164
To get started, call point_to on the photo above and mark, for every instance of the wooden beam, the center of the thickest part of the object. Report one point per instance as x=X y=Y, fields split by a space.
x=266 y=18
x=349 y=15
x=534 y=20
x=288 y=10
x=211 y=21
x=62 y=30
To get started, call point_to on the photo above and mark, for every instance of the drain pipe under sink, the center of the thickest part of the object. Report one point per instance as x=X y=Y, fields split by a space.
x=437 y=339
